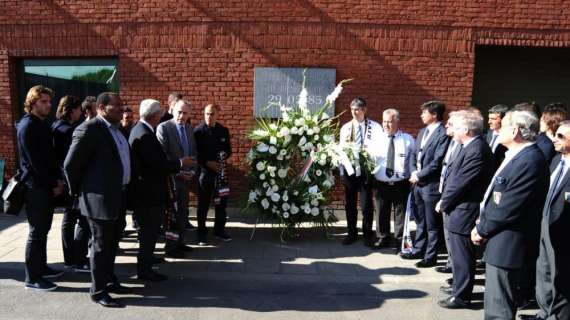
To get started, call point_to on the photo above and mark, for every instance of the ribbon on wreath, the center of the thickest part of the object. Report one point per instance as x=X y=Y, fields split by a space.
x=222 y=185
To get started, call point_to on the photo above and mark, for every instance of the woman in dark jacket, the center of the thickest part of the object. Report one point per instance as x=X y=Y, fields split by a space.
x=75 y=240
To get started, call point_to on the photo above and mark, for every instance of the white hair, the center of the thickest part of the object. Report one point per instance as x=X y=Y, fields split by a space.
x=392 y=112
x=525 y=121
x=148 y=108
x=470 y=120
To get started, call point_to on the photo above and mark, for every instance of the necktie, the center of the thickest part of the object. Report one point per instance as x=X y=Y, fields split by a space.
x=184 y=139
x=554 y=184
x=493 y=139
x=422 y=144
x=358 y=138
x=391 y=158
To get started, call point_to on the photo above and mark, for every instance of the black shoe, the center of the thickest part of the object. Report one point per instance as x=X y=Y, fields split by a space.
x=117 y=288
x=348 y=240
x=444 y=269
x=82 y=268
x=151 y=276
x=525 y=304
x=411 y=256
x=449 y=281
x=453 y=303
x=106 y=301
x=184 y=248
x=426 y=264
x=51 y=273
x=41 y=285
x=158 y=260
x=370 y=242
x=446 y=289
x=189 y=226
x=223 y=236
x=174 y=254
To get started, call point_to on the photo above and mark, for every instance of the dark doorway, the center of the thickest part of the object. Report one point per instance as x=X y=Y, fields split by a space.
x=510 y=75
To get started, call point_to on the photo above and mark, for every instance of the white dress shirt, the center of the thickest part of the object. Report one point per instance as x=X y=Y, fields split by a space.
x=403 y=148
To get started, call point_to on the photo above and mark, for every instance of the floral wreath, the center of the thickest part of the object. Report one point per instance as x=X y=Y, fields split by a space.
x=300 y=139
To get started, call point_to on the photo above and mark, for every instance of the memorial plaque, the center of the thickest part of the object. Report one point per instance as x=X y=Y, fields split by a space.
x=276 y=86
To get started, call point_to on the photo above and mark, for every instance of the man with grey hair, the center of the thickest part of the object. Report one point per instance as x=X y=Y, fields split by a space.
x=177 y=139
x=463 y=187
x=509 y=221
x=150 y=182
x=394 y=150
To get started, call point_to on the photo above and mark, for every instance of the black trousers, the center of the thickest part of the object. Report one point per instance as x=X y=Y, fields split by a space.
x=149 y=219
x=352 y=187
x=499 y=300
x=182 y=199
x=429 y=223
x=387 y=196
x=75 y=236
x=40 y=215
x=206 y=192
x=463 y=264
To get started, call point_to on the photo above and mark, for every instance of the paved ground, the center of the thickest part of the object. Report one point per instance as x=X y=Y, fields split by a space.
x=308 y=278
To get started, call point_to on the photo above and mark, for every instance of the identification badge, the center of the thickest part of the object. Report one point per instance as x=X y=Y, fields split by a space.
x=497 y=197
x=567 y=196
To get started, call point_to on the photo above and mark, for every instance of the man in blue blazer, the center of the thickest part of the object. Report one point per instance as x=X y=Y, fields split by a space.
x=426 y=163
x=467 y=179
x=553 y=264
x=510 y=213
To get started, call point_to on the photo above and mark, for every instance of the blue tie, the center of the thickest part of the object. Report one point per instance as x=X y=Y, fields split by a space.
x=184 y=139
x=554 y=185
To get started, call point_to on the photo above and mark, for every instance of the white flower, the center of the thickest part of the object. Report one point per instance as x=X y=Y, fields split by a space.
x=272 y=174
x=252 y=196
x=265 y=203
x=283 y=152
x=324 y=116
x=261 y=133
x=271 y=168
x=323 y=157
x=316 y=137
x=287 y=140
x=265 y=185
x=294 y=130
x=317 y=129
x=310 y=132
x=285 y=197
x=269 y=192
x=273 y=126
x=303 y=97
x=282 y=173
x=327 y=184
x=331 y=98
x=328 y=138
x=315 y=202
x=313 y=189
x=275 y=197
x=294 y=209
x=272 y=181
x=307 y=208
x=315 y=211
x=299 y=122
x=272 y=150
x=318 y=173
x=316 y=118
x=262 y=176
x=275 y=188
x=322 y=162
x=284 y=131
x=295 y=193
x=301 y=131
x=273 y=140
x=302 y=141
x=285 y=214
x=262 y=147
x=285 y=206
x=260 y=166
x=279 y=158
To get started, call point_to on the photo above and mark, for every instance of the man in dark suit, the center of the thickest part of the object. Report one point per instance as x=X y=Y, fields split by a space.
x=151 y=171
x=431 y=146
x=542 y=141
x=98 y=170
x=553 y=264
x=496 y=114
x=510 y=213
x=41 y=175
x=467 y=179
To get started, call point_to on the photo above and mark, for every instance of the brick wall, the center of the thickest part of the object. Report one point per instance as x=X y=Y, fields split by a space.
x=400 y=53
